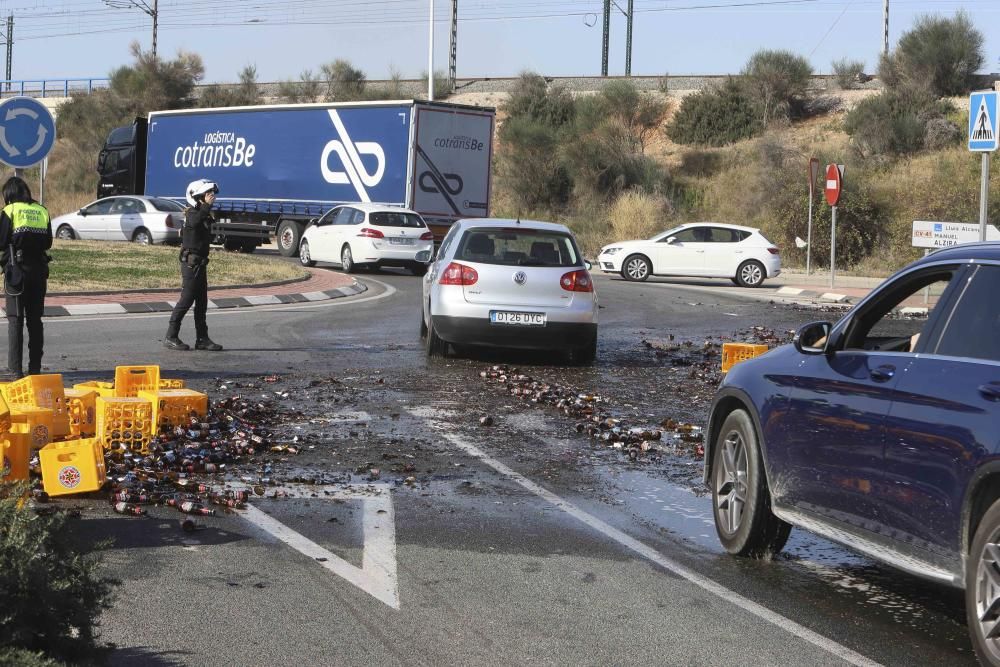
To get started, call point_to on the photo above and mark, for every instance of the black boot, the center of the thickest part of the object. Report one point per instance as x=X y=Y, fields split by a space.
x=175 y=343
x=207 y=344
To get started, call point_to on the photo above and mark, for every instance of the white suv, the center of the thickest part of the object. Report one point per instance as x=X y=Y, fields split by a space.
x=368 y=235
x=510 y=283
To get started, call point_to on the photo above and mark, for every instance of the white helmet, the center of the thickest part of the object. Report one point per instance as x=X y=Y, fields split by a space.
x=197 y=189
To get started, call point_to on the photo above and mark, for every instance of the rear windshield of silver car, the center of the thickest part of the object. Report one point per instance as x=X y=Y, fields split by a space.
x=165 y=204
x=393 y=219
x=518 y=247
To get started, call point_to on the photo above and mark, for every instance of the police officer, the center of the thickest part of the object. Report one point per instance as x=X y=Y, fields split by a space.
x=195 y=239
x=25 y=235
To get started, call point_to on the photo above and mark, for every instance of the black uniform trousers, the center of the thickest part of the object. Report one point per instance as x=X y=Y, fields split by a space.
x=27 y=307
x=194 y=290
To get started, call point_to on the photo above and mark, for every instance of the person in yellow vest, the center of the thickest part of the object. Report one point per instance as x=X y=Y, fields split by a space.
x=25 y=236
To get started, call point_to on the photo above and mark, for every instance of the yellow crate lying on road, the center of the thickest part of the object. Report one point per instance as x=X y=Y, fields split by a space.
x=130 y=380
x=100 y=387
x=81 y=406
x=126 y=421
x=74 y=466
x=42 y=391
x=171 y=383
x=734 y=353
x=34 y=422
x=15 y=454
x=175 y=407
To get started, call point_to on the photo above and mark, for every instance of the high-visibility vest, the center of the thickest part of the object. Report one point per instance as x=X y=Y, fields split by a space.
x=27 y=218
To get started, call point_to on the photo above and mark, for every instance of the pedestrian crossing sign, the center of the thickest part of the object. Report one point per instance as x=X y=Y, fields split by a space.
x=983 y=121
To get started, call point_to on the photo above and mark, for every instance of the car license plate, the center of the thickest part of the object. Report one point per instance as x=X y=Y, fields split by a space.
x=519 y=319
x=400 y=241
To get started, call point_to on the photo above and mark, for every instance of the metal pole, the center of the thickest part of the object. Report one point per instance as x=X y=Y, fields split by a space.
x=628 y=42
x=927 y=290
x=833 y=246
x=607 y=28
x=10 y=47
x=453 y=50
x=430 y=58
x=984 y=196
x=885 y=27
x=156 y=16
x=42 y=168
x=809 y=236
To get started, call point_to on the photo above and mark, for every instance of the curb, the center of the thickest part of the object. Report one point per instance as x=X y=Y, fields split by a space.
x=112 y=308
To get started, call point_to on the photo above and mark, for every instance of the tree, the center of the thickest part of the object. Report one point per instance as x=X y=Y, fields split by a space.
x=245 y=93
x=154 y=84
x=345 y=83
x=940 y=55
x=777 y=82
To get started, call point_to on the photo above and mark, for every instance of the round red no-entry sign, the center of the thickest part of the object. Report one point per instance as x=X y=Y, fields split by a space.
x=834 y=185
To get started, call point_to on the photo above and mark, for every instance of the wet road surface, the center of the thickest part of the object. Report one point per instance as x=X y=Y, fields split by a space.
x=521 y=542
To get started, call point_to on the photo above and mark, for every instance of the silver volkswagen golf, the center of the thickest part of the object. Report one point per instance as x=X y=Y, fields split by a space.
x=510 y=283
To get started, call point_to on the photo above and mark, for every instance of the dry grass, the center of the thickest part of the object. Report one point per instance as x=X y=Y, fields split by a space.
x=99 y=265
x=59 y=202
x=637 y=215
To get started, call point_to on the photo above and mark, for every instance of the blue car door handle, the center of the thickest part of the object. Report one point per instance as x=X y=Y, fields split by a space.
x=883 y=373
x=990 y=391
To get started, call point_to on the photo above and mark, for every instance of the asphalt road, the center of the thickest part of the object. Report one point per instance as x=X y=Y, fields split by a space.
x=520 y=543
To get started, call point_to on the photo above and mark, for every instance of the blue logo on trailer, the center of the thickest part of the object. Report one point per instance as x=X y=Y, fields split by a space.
x=307 y=154
x=27 y=132
x=983 y=121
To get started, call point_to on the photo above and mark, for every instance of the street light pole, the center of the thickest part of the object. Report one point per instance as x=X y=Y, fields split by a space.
x=430 y=57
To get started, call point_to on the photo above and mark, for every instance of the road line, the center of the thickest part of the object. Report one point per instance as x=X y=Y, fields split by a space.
x=656 y=557
x=377 y=574
x=332 y=303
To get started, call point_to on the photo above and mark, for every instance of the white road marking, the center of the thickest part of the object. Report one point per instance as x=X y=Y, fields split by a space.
x=332 y=303
x=656 y=557
x=377 y=574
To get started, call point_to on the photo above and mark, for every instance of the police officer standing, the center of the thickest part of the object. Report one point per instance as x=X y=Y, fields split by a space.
x=25 y=235
x=195 y=239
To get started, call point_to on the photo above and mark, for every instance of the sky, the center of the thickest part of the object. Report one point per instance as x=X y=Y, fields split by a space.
x=59 y=39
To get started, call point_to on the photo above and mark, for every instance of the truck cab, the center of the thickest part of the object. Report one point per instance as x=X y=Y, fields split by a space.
x=121 y=164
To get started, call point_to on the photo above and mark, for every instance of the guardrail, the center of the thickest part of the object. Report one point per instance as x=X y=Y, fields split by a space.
x=49 y=87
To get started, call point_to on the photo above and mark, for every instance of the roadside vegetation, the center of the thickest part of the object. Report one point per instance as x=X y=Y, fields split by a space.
x=130 y=266
x=51 y=589
x=624 y=162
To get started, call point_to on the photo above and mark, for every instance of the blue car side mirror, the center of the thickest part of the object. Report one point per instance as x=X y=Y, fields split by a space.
x=812 y=338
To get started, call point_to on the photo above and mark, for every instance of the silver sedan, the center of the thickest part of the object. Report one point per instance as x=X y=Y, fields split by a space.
x=510 y=283
x=126 y=218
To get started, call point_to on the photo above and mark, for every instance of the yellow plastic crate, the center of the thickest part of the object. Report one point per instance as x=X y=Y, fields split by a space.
x=81 y=407
x=42 y=391
x=127 y=421
x=74 y=466
x=15 y=453
x=175 y=407
x=170 y=383
x=734 y=353
x=4 y=414
x=100 y=387
x=34 y=422
x=130 y=380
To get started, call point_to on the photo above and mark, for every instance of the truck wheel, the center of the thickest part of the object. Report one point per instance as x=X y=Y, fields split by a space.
x=248 y=247
x=232 y=245
x=289 y=233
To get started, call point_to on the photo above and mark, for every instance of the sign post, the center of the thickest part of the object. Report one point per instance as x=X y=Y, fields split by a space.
x=813 y=173
x=833 y=190
x=983 y=138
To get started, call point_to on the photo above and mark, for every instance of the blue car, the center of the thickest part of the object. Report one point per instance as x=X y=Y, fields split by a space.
x=880 y=432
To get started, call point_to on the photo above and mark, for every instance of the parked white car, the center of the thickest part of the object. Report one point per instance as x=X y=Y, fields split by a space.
x=125 y=218
x=705 y=249
x=510 y=283
x=368 y=235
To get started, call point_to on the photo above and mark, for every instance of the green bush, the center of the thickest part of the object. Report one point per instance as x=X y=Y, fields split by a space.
x=940 y=55
x=715 y=117
x=776 y=81
x=16 y=657
x=847 y=72
x=532 y=97
x=344 y=82
x=51 y=592
x=894 y=122
x=245 y=93
x=529 y=170
x=306 y=89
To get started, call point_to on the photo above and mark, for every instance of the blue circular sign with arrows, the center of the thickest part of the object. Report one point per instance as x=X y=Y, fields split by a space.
x=27 y=132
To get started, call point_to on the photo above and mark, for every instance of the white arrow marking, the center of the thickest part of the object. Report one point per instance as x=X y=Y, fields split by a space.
x=14 y=113
x=42 y=132
x=377 y=574
x=11 y=150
